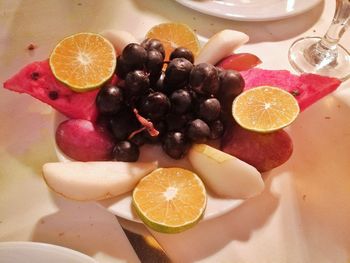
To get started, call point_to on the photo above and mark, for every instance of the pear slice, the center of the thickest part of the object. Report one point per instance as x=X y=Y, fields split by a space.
x=119 y=39
x=224 y=174
x=87 y=181
x=221 y=45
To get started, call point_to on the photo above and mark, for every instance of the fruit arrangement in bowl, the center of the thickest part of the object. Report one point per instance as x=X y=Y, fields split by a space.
x=164 y=130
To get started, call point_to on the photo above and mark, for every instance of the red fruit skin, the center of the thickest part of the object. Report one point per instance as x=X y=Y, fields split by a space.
x=84 y=141
x=239 y=62
x=306 y=88
x=264 y=151
x=37 y=80
x=267 y=151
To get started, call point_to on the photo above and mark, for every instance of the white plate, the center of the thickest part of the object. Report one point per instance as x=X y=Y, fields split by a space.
x=122 y=205
x=250 y=10
x=23 y=252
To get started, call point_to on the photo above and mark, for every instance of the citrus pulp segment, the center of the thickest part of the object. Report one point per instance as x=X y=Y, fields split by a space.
x=83 y=61
x=174 y=35
x=265 y=109
x=170 y=200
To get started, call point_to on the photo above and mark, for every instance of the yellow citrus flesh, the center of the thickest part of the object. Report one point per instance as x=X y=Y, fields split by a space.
x=170 y=200
x=174 y=35
x=83 y=61
x=265 y=109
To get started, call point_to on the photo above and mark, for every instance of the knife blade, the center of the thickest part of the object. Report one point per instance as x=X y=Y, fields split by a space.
x=145 y=245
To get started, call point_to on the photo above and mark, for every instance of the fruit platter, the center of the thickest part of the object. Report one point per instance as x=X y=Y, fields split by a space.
x=165 y=131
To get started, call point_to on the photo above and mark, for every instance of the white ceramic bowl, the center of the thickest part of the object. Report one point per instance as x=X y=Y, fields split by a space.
x=24 y=252
x=122 y=205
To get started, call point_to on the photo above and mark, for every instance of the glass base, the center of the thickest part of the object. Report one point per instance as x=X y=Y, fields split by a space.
x=307 y=57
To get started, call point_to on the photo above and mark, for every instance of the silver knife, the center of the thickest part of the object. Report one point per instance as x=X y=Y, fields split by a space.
x=146 y=247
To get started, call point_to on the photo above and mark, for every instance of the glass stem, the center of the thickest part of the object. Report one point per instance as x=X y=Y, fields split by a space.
x=330 y=40
x=325 y=51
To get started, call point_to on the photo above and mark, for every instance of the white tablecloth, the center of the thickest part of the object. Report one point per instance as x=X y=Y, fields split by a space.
x=302 y=216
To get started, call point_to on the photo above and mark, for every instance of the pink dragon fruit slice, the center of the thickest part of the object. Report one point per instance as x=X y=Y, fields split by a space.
x=307 y=88
x=37 y=80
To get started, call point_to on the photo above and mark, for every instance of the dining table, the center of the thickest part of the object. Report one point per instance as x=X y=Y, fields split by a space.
x=303 y=213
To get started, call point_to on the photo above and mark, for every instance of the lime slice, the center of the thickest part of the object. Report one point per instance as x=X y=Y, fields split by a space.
x=173 y=35
x=265 y=109
x=170 y=200
x=83 y=61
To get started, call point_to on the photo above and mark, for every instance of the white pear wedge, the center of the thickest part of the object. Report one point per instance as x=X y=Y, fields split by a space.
x=119 y=39
x=224 y=174
x=87 y=181
x=221 y=45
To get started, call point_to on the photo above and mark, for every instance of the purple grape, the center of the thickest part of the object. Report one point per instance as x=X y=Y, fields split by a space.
x=175 y=145
x=182 y=52
x=181 y=101
x=123 y=67
x=178 y=72
x=126 y=151
x=198 y=131
x=209 y=109
x=134 y=54
x=136 y=83
x=231 y=85
x=153 y=44
x=123 y=124
x=154 y=106
x=177 y=122
x=204 y=79
x=154 y=64
x=109 y=100
x=216 y=129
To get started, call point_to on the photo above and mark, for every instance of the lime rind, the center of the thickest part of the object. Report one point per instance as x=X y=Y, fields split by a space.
x=77 y=88
x=264 y=130
x=179 y=24
x=161 y=227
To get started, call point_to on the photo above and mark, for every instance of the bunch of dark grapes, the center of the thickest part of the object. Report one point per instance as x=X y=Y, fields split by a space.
x=176 y=107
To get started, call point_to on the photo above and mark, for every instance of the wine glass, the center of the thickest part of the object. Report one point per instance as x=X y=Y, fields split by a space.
x=325 y=56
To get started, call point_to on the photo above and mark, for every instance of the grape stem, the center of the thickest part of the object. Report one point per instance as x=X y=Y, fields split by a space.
x=136 y=132
x=148 y=125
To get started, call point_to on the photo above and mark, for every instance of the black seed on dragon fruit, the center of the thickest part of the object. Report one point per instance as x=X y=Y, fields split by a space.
x=35 y=75
x=53 y=95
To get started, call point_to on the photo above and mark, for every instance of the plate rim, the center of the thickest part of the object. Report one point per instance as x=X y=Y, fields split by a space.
x=33 y=245
x=250 y=18
x=59 y=117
